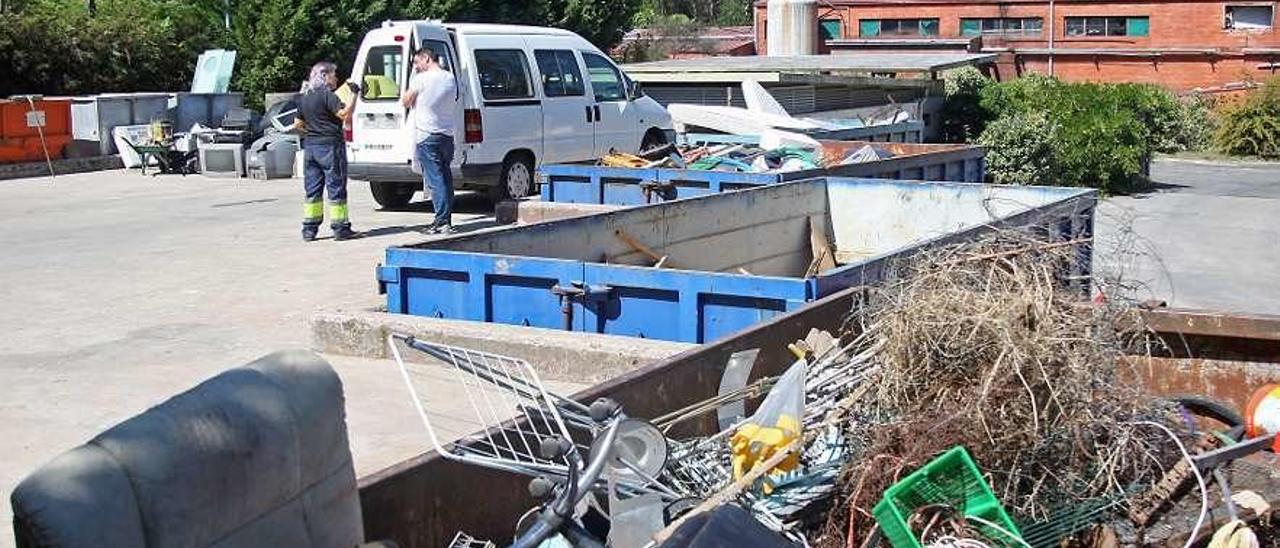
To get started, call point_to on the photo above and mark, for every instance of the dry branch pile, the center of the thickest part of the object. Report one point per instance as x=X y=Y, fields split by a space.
x=984 y=346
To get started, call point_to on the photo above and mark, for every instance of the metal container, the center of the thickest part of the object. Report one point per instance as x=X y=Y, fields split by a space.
x=206 y=109
x=93 y=117
x=425 y=500
x=583 y=184
x=731 y=260
x=30 y=130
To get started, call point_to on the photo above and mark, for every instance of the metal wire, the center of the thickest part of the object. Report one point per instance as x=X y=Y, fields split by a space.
x=506 y=400
x=463 y=540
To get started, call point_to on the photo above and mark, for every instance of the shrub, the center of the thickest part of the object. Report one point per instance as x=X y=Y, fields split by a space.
x=1020 y=149
x=963 y=117
x=1102 y=133
x=1251 y=127
x=55 y=47
x=1175 y=125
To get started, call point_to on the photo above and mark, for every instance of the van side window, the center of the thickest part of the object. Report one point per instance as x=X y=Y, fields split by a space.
x=504 y=74
x=560 y=74
x=606 y=81
x=383 y=67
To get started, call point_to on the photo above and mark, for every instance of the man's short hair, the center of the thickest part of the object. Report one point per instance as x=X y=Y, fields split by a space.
x=428 y=53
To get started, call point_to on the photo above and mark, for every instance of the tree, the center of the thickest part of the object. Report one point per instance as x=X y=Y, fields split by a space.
x=278 y=40
x=58 y=47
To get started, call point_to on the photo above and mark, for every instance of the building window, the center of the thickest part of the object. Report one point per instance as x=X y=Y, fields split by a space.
x=1108 y=26
x=831 y=29
x=868 y=28
x=1249 y=18
x=1008 y=26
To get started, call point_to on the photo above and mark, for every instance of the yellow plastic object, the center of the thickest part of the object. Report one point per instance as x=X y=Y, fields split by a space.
x=377 y=86
x=1235 y=534
x=345 y=94
x=615 y=159
x=753 y=444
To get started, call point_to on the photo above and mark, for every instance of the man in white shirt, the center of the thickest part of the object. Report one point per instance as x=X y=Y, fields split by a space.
x=433 y=98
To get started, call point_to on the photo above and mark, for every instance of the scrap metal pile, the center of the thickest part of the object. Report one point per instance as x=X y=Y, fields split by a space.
x=778 y=156
x=970 y=401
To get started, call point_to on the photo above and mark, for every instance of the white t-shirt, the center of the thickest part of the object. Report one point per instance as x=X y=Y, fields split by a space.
x=434 y=109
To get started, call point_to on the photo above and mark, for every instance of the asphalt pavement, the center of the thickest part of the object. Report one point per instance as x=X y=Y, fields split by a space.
x=1207 y=236
x=121 y=290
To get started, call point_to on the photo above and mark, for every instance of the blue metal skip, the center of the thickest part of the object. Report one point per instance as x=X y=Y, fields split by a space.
x=588 y=184
x=732 y=260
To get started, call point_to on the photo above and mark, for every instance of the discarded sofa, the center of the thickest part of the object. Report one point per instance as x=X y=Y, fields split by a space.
x=256 y=456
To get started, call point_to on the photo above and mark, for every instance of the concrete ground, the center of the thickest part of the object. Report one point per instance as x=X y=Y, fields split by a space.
x=1207 y=236
x=119 y=291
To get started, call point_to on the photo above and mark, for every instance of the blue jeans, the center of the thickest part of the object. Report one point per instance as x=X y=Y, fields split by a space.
x=325 y=171
x=435 y=154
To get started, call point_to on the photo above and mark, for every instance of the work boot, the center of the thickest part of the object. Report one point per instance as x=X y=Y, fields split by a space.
x=444 y=229
x=344 y=233
x=308 y=234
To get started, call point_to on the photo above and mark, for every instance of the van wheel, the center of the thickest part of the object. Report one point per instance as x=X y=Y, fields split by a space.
x=516 y=180
x=392 y=195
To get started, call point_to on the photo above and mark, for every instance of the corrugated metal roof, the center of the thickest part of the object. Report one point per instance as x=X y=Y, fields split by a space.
x=868 y=62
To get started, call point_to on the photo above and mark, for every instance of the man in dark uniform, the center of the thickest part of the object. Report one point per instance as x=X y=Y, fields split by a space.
x=320 y=116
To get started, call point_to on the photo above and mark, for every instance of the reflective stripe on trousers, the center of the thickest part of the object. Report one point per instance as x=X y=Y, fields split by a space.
x=312 y=211
x=337 y=212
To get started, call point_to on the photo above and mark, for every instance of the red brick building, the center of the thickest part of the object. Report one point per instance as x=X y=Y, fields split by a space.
x=1183 y=44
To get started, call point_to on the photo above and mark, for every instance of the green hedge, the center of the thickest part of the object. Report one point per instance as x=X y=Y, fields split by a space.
x=1040 y=130
x=55 y=47
x=1251 y=127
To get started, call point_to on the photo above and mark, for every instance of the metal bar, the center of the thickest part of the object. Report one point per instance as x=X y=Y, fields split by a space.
x=1209 y=459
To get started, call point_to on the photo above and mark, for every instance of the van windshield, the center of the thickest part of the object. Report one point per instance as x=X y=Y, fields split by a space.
x=383 y=68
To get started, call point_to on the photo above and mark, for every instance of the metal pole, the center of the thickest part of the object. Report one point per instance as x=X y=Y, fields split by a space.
x=1052 y=30
x=226 y=14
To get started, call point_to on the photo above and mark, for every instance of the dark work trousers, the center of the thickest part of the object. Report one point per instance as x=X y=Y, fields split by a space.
x=325 y=172
x=435 y=154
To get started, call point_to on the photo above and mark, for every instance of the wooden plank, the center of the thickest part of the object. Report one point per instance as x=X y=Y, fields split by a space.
x=818 y=244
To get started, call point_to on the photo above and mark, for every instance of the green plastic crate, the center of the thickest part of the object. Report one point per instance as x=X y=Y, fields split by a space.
x=952 y=479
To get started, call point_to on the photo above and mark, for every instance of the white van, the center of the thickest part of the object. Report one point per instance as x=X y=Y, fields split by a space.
x=528 y=96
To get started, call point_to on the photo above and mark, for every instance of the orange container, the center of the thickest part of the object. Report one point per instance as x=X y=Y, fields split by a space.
x=31 y=149
x=17 y=120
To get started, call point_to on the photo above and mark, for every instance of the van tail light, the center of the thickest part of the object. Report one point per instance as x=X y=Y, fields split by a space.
x=472 y=126
x=348 y=130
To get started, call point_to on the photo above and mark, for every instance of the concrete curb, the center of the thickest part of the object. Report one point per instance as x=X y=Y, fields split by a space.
x=586 y=358
x=60 y=167
x=533 y=211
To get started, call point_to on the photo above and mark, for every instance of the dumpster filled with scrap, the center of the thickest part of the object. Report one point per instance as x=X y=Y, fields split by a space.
x=970 y=400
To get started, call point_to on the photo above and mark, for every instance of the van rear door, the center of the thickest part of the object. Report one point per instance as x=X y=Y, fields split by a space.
x=436 y=37
x=378 y=123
